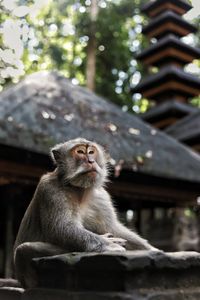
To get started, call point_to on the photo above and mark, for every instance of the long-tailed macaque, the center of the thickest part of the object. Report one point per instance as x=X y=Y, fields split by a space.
x=71 y=211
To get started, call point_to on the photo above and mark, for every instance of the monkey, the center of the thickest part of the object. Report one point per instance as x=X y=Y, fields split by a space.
x=72 y=211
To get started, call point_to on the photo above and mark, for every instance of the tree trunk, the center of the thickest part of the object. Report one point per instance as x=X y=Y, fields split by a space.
x=91 y=48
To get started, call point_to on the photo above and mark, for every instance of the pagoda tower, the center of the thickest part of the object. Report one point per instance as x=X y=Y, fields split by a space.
x=171 y=87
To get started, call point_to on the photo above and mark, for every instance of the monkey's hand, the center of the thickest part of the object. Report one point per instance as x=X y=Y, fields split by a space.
x=107 y=235
x=114 y=244
x=118 y=241
x=114 y=247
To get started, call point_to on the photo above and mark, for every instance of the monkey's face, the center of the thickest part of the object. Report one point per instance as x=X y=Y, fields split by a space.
x=86 y=170
x=83 y=163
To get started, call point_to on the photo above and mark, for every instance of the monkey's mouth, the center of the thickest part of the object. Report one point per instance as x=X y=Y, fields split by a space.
x=90 y=172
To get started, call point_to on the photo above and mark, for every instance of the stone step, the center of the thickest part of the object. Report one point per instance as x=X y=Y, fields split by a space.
x=136 y=275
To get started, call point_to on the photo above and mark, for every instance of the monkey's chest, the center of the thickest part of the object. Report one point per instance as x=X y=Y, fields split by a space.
x=93 y=220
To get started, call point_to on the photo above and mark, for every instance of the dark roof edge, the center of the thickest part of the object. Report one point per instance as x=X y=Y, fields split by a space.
x=152 y=5
x=186 y=119
x=167 y=41
x=165 y=72
x=157 y=21
x=167 y=107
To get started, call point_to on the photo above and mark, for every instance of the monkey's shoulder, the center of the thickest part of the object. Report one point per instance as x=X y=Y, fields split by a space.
x=48 y=177
x=48 y=183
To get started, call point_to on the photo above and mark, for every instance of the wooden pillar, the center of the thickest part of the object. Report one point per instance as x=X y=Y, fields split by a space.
x=138 y=222
x=9 y=240
x=145 y=221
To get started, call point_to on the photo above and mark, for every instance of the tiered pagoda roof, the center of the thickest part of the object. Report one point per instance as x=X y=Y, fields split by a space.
x=168 y=22
x=169 y=49
x=170 y=54
x=169 y=82
x=187 y=130
x=168 y=113
x=153 y=8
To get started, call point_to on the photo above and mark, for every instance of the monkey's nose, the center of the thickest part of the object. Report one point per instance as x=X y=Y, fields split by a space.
x=90 y=160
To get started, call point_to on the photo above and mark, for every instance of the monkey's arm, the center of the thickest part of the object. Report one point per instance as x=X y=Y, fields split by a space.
x=111 y=224
x=61 y=226
x=134 y=241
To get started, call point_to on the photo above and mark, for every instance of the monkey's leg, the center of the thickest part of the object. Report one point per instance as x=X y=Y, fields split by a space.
x=24 y=253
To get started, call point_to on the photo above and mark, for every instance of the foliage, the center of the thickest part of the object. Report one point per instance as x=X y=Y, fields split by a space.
x=195 y=67
x=58 y=37
x=15 y=31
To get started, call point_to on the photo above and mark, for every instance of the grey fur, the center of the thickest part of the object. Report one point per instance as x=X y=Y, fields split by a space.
x=70 y=212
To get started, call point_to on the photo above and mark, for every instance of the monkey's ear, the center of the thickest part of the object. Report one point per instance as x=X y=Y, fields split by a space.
x=56 y=153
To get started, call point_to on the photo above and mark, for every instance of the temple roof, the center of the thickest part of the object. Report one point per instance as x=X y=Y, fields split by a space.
x=166 y=23
x=46 y=108
x=168 y=81
x=187 y=128
x=168 y=108
x=152 y=8
x=166 y=49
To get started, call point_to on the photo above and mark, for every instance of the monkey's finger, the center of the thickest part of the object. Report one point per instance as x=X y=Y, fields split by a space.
x=115 y=247
x=118 y=241
x=119 y=248
x=107 y=235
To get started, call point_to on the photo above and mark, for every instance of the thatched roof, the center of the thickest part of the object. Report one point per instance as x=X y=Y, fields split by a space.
x=46 y=108
x=186 y=129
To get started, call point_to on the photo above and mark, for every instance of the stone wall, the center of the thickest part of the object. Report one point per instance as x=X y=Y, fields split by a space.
x=137 y=275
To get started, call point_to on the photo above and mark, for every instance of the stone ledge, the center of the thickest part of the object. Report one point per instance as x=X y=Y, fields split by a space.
x=119 y=272
x=51 y=294
x=122 y=260
x=176 y=294
x=133 y=275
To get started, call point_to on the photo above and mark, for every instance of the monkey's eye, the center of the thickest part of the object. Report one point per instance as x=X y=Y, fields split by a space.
x=80 y=151
x=91 y=152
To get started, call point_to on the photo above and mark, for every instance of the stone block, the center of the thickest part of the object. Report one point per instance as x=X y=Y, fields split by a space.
x=177 y=294
x=178 y=260
x=119 y=272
